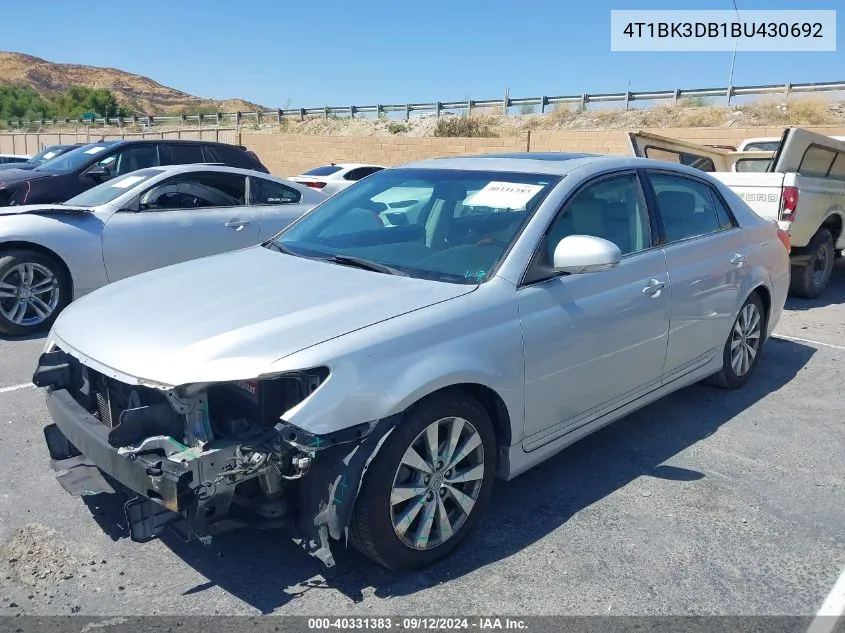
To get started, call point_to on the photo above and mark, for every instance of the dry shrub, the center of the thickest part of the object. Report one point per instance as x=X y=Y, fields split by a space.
x=810 y=111
x=467 y=127
x=805 y=111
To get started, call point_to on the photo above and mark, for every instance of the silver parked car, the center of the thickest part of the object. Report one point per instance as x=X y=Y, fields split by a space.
x=51 y=253
x=375 y=365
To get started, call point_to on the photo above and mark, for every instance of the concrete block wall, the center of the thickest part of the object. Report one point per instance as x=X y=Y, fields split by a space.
x=291 y=154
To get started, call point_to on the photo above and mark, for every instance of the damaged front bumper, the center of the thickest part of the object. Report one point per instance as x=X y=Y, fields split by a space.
x=290 y=478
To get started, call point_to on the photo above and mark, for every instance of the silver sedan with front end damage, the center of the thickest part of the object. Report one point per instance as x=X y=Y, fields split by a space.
x=146 y=219
x=370 y=370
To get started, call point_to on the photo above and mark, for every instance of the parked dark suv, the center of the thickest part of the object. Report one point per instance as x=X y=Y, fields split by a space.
x=80 y=169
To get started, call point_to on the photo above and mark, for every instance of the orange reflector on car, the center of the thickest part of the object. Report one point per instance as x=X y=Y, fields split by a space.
x=783 y=236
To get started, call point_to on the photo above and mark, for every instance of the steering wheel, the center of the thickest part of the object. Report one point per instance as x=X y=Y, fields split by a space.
x=492 y=241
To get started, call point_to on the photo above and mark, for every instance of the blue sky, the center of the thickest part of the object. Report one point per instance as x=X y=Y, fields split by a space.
x=337 y=52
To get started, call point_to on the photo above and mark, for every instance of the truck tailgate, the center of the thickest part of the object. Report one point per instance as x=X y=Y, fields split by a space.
x=760 y=190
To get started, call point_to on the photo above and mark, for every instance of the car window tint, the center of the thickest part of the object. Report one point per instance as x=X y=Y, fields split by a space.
x=185 y=154
x=324 y=170
x=752 y=164
x=613 y=208
x=231 y=156
x=685 y=205
x=135 y=157
x=354 y=174
x=726 y=220
x=816 y=161
x=269 y=192
x=703 y=163
x=837 y=170
x=196 y=191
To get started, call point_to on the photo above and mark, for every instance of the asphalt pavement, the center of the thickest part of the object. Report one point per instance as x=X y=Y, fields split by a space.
x=707 y=502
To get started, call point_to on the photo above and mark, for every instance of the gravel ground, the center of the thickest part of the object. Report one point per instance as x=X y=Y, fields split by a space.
x=708 y=502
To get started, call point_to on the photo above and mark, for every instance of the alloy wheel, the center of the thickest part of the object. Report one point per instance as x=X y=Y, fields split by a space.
x=29 y=294
x=745 y=339
x=437 y=483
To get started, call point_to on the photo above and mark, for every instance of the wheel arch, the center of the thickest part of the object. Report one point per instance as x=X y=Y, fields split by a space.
x=17 y=245
x=834 y=223
x=489 y=399
x=765 y=295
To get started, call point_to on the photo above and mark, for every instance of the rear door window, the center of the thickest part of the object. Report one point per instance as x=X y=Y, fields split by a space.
x=185 y=154
x=686 y=206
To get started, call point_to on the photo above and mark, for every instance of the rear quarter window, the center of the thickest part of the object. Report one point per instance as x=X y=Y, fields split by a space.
x=325 y=170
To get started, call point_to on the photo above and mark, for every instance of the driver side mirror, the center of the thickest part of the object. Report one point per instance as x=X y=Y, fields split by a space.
x=99 y=173
x=577 y=254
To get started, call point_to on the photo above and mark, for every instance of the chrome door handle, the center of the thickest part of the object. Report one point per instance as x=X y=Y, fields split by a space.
x=738 y=259
x=654 y=287
x=237 y=225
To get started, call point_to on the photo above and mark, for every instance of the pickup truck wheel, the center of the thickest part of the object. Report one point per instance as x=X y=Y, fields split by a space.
x=33 y=290
x=743 y=347
x=810 y=281
x=428 y=485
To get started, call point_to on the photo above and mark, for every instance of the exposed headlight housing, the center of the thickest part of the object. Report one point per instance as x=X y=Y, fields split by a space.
x=245 y=407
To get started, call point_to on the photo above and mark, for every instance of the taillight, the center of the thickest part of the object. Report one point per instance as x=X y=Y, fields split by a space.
x=783 y=236
x=314 y=184
x=789 y=204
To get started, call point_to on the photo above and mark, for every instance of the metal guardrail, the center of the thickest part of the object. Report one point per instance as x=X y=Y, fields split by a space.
x=439 y=107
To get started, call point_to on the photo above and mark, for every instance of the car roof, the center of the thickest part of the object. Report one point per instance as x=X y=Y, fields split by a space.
x=550 y=163
x=192 y=167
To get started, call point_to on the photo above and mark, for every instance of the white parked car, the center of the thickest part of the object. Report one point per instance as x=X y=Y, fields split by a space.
x=337 y=176
x=14 y=158
x=53 y=253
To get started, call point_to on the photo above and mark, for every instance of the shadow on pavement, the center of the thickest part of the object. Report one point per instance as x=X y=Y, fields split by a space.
x=267 y=570
x=28 y=337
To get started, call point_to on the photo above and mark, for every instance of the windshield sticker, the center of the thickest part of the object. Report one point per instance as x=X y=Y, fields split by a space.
x=477 y=275
x=127 y=182
x=94 y=150
x=504 y=195
x=48 y=155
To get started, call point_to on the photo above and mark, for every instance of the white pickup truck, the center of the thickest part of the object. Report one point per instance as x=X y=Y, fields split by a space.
x=801 y=185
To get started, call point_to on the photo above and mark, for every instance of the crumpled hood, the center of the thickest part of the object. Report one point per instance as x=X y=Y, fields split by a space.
x=43 y=209
x=229 y=317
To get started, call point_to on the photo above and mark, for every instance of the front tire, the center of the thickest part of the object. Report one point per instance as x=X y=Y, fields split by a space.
x=427 y=487
x=743 y=347
x=809 y=281
x=33 y=290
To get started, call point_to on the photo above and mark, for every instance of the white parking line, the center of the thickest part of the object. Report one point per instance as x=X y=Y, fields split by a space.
x=807 y=340
x=832 y=609
x=16 y=387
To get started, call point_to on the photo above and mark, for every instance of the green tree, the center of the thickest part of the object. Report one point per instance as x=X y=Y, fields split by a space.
x=24 y=103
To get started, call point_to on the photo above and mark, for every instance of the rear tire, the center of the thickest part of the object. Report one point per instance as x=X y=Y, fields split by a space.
x=744 y=345
x=33 y=290
x=407 y=517
x=810 y=281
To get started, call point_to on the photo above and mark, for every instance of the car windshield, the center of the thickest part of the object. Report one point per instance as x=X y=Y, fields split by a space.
x=448 y=225
x=74 y=159
x=46 y=154
x=111 y=189
x=325 y=170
